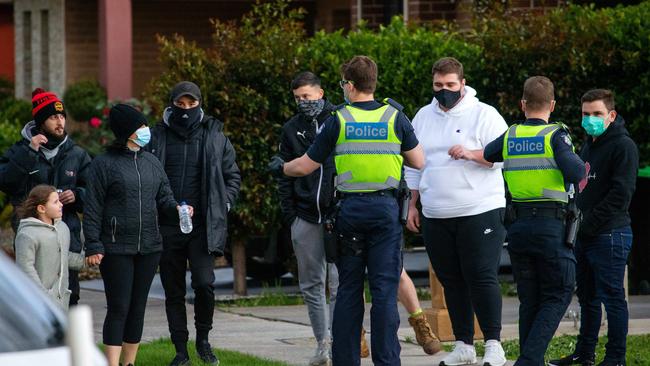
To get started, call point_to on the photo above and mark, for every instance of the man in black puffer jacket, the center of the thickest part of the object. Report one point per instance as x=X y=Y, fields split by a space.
x=200 y=163
x=47 y=155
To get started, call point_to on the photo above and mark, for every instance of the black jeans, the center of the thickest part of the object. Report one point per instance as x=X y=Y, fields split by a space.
x=465 y=252
x=127 y=280
x=544 y=269
x=180 y=248
x=600 y=274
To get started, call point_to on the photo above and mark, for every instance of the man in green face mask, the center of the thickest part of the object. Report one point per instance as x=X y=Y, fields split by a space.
x=605 y=237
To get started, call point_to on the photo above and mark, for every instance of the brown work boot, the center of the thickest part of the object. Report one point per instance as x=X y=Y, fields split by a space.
x=365 y=351
x=423 y=334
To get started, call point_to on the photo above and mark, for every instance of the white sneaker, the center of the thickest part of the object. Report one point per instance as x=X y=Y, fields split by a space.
x=322 y=355
x=463 y=354
x=494 y=354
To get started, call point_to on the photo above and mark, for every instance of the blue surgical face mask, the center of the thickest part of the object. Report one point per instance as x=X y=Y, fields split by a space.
x=142 y=136
x=594 y=126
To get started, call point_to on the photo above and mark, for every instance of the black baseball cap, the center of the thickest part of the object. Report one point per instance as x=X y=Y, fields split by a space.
x=185 y=88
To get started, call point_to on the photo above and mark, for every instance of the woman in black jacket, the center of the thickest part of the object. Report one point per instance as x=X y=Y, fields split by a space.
x=126 y=187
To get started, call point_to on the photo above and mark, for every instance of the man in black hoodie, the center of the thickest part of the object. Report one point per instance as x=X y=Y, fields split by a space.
x=605 y=237
x=47 y=155
x=304 y=202
x=200 y=163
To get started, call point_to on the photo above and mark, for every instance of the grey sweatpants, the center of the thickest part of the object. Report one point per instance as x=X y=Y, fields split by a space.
x=308 y=245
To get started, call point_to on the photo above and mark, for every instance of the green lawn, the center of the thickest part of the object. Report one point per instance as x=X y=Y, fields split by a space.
x=638 y=348
x=161 y=352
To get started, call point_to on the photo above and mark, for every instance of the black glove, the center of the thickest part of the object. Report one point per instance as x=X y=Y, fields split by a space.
x=276 y=166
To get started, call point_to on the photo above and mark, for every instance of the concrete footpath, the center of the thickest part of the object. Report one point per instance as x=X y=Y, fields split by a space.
x=283 y=333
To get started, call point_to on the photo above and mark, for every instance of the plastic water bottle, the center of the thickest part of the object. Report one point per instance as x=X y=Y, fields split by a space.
x=185 y=218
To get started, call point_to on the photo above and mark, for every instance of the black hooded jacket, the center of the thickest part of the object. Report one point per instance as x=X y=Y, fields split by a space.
x=220 y=178
x=612 y=163
x=307 y=197
x=22 y=168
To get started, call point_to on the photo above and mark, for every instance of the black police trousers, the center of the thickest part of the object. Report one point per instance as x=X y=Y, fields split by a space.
x=544 y=269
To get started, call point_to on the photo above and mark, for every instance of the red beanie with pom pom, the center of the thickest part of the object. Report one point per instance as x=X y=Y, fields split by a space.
x=45 y=104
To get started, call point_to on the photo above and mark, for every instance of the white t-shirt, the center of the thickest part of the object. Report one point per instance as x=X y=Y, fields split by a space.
x=454 y=188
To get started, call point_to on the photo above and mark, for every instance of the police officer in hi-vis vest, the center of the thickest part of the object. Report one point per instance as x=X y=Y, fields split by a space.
x=539 y=166
x=370 y=141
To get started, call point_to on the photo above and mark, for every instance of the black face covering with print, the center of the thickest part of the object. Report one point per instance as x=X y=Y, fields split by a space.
x=311 y=108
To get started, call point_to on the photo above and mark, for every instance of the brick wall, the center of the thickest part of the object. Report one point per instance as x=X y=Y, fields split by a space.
x=428 y=10
x=374 y=11
x=81 y=39
x=188 y=18
x=331 y=15
x=150 y=17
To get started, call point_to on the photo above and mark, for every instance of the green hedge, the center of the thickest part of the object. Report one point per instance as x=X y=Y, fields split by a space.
x=84 y=100
x=404 y=56
x=246 y=73
x=14 y=114
x=579 y=48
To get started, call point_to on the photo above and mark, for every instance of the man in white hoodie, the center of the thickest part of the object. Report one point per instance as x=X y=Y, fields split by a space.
x=463 y=201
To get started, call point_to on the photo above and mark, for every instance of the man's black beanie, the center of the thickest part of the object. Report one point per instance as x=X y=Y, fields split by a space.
x=124 y=120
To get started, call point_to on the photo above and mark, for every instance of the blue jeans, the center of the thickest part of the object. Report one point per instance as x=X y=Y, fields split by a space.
x=544 y=269
x=373 y=221
x=600 y=274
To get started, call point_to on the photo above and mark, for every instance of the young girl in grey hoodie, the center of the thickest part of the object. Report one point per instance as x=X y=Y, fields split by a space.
x=42 y=243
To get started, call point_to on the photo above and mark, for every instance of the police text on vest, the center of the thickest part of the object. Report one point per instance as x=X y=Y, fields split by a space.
x=526 y=145
x=366 y=131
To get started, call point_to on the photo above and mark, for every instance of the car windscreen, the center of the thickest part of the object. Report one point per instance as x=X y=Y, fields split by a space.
x=28 y=318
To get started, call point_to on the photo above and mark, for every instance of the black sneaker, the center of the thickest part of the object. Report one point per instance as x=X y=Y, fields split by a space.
x=574 y=359
x=206 y=355
x=180 y=360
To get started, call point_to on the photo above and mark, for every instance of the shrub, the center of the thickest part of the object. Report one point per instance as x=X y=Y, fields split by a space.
x=404 y=56
x=244 y=79
x=14 y=114
x=84 y=100
x=98 y=134
x=578 y=48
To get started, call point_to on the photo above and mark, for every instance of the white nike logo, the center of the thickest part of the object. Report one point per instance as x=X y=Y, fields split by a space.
x=487 y=231
x=301 y=134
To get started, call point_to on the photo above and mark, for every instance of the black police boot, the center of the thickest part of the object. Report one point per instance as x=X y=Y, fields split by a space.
x=180 y=360
x=612 y=363
x=574 y=359
x=206 y=355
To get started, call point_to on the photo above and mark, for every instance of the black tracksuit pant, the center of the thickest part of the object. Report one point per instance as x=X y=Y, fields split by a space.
x=465 y=253
x=180 y=248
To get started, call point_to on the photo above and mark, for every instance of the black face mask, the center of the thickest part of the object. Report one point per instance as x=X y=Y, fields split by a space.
x=446 y=97
x=186 y=118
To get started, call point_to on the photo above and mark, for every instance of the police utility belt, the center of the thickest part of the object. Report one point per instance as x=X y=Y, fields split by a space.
x=559 y=213
x=384 y=192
